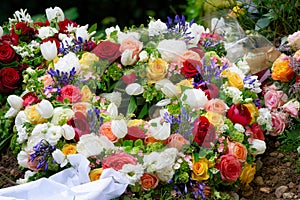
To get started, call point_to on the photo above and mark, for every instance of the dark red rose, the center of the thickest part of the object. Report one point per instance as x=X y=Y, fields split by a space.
x=204 y=132
x=10 y=39
x=9 y=80
x=29 y=99
x=135 y=133
x=129 y=78
x=80 y=124
x=191 y=68
x=240 y=114
x=7 y=54
x=63 y=25
x=40 y=24
x=107 y=50
x=52 y=39
x=210 y=89
x=27 y=33
x=257 y=132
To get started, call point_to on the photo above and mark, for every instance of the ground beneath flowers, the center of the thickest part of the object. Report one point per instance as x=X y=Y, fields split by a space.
x=275 y=179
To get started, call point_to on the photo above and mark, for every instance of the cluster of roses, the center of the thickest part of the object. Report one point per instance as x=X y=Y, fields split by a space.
x=202 y=134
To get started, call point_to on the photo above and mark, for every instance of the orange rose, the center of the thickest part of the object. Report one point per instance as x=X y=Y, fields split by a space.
x=176 y=141
x=238 y=150
x=105 y=130
x=191 y=55
x=69 y=149
x=95 y=174
x=47 y=80
x=149 y=181
x=81 y=107
x=281 y=71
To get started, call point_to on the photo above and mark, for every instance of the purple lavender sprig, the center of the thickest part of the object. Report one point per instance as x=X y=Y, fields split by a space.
x=179 y=27
x=74 y=46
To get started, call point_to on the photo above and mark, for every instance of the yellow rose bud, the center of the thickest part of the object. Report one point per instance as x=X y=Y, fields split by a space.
x=253 y=111
x=234 y=79
x=87 y=59
x=69 y=149
x=157 y=70
x=135 y=122
x=248 y=173
x=86 y=94
x=34 y=116
x=95 y=174
x=200 y=170
x=185 y=83
x=215 y=118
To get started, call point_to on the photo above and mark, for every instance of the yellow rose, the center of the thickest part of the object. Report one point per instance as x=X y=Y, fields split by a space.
x=69 y=149
x=200 y=170
x=135 y=122
x=86 y=93
x=185 y=83
x=157 y=70
x=253 y=111
x=215 y=118
x=248 y=173
x=87 y=59
x=34 y=116
x=95 y=174
x=234 y=79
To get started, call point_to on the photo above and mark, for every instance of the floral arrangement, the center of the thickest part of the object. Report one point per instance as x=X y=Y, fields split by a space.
x=161 y=105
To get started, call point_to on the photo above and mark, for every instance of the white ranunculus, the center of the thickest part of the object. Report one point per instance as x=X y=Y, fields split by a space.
x=157 y=27
x=132 y=172
x=15 y=102
x=59 y=157
x=61 y=115
x=91 y=144
x=134 y=89
x=109 y=30
x=45 y=109
x=37 y=134
x=127 y=58
x=1 y=31
x=158 y=130
x=239 y=128
x=171 y=50
x=259 y=146
x=195 y=98
x=115 y=97
x=119 y=128
x=22 y=158
x=49 y=50
x=68 y=132
x=143 y=56
x=170 y=90
x=83 y=33
x=53 y=134
x=55 y=12
x=66 y=63
x=160 y=84
x=46 y=32
x=112 y=110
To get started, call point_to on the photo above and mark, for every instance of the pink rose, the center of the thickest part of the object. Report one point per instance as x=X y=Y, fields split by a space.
x=217 y=106
x=117 y=160
x=71 y=92
x=131 y=44
x=278 y=121
x=230 y=168
x=272 y=99
x=292 y=108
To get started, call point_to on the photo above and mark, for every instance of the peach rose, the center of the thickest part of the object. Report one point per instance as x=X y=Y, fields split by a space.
x=190 y=55
x=217 y=106
x=176 y=141
x=131 y=44
x=69 y=149
x=157 y=70
x=47 y=80
x=248 y=173
x=281 y=71
x=149 y=181
x=105 y=130
x=200 y=170
x=238 y=150
x=95 y=174
x=81 y=107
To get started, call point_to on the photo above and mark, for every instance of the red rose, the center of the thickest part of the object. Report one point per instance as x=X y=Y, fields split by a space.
x=230 y=168
x=80 y=124
x=129 y=78
x=27 y=33
x=191 y=68
x=135 y=133
x=107 y=50
x=63 y=25
x=9 y=80
x=240 y=114
x=117 y=160
x=71 y=92
x=29 y=99
x=7 y=54
x=10 y=39
x=204 y=132
x=257 y=132
x=210 y=89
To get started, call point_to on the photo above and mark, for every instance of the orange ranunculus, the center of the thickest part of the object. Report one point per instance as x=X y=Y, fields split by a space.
x=105 y=130
x=281 y=71
x=95 y=174
x=200 y=170
x=238 y=150
x=69 y=149
x=149 y=181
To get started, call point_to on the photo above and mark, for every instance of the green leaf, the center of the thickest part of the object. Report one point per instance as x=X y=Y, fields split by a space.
x=262 y=23
x=138 y=143
x=93 y=28
x=132 y=105
x=144 y=111
x=72 y=13
x=128 y=143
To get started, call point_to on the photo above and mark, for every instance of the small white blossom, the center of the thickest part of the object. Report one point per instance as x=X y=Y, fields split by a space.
x=157 y=27
x=132 y=172
x=239 y=128
x=46 y=32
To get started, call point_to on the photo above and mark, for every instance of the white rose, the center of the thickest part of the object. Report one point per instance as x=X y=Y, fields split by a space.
x=68 y=132
x=55 y=12
x=195 y=98
x=119 y=128
x=134 y=89
x=66 y=63
x=45 y=109
x=171 y=50
x=259 y=146
x=59 y=157
x=157 y=27
x=61 y=115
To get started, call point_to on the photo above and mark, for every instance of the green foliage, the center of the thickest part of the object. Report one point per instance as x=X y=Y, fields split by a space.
x=290 y=139
x=6 y=131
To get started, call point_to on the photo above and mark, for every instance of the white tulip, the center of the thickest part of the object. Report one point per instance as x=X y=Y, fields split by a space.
x=1 y=31
x=15 y=102
x=143 y=56
x=45 y=109
x=112 y=110
x=11 y=113
x=119 y=128
x=171 y=50
x=259 y=146
x=59 y=157
x=49 y=50
x=68 y=132
x=170 y=90
x=55 y=12
x=159 y=131
x=134 y=89
x=163 y=102
x=195 y=98
x=127 y=58
x=160 y=84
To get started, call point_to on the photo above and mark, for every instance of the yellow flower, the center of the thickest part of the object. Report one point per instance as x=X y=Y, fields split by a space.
x=95 y=174
x=69 y=149
x=185 y=83
x=34 y=116
x=86 y=93
x=215 y=118
x=157 y=70
x=135 y=122
x=200 y=170
x=253 y=111
x=87 y=59
x=52 y=62
x=234 y=79
x=248 y=173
